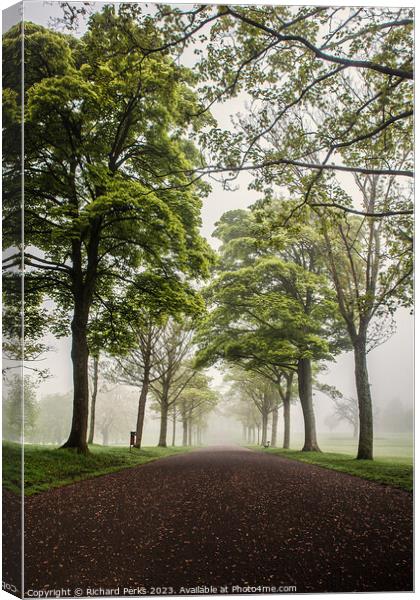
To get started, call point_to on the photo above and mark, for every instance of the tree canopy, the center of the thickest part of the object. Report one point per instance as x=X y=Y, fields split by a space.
x=102 y=121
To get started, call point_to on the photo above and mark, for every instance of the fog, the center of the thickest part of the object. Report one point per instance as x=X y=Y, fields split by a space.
x=390 y=365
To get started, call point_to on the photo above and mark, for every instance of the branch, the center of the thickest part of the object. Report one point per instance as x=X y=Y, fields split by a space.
x=319 y=53
x=388 y=213
x=58 y=266
x=375 y=131
x=305 y=165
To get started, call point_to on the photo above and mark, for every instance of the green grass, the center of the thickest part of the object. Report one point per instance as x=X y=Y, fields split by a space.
x=48 y=467
x=394 y=446
x=387 y=470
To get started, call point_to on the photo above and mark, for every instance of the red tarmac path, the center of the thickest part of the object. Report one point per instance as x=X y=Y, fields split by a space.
x=220 y=516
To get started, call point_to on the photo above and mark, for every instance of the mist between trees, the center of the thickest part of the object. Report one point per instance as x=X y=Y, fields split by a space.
x=121 y=151
x=48 y=419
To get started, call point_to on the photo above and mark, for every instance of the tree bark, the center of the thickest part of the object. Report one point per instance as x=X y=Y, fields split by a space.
x=306 y=400
x=184 y=431
x=141 y=410
x=287 y=398
x=365 y=449
x=79 y=356
x=83 y=288
x=173 y=425
x=264 y=427
x=93 y=399
x=274 y=426
x=163 y=422
x=190 y=431
x=286 y=422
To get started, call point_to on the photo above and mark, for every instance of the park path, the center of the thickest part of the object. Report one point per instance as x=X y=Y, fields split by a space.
x=221 y=516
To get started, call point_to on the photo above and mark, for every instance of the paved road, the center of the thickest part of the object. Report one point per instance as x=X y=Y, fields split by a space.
x=221 y=517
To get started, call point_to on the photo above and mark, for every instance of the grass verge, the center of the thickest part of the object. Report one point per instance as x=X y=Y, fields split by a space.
x=389 y=471
x=48 y=467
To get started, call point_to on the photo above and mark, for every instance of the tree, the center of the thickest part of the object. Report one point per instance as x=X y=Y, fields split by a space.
x=20 y=407
x=257 y=390
x=255 y=50
x=115 y=412
x=278 y=310
x=103 y=122
x=345 y=408
x=371 y=268
x=137 y=367
x=245 y=412
x=194 y=403
x=355 y=70
x=173 y=372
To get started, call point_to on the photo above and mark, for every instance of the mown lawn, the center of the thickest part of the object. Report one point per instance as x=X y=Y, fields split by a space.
x=395 y=446
x=48 y=467
x=390 y=471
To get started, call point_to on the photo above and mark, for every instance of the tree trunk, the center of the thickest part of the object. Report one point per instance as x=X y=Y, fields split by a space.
x=79 y=356
x=163 y=422
x=274 y=426
x=286 y=422
x=306 y=400
x=141 y=410
x=258 y=434
x=173 y=425
x=365 y=449
x=184 y=431
x=264 y=427
x=93 y=399
x=190 y=431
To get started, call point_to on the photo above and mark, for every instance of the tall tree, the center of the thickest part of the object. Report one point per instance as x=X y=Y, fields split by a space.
x=103 y=122
x=173 y=371
x=137 y=366
x=278 y=310
x=371 y=266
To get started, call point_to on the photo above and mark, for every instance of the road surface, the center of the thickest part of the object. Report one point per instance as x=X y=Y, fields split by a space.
x=221 y=516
